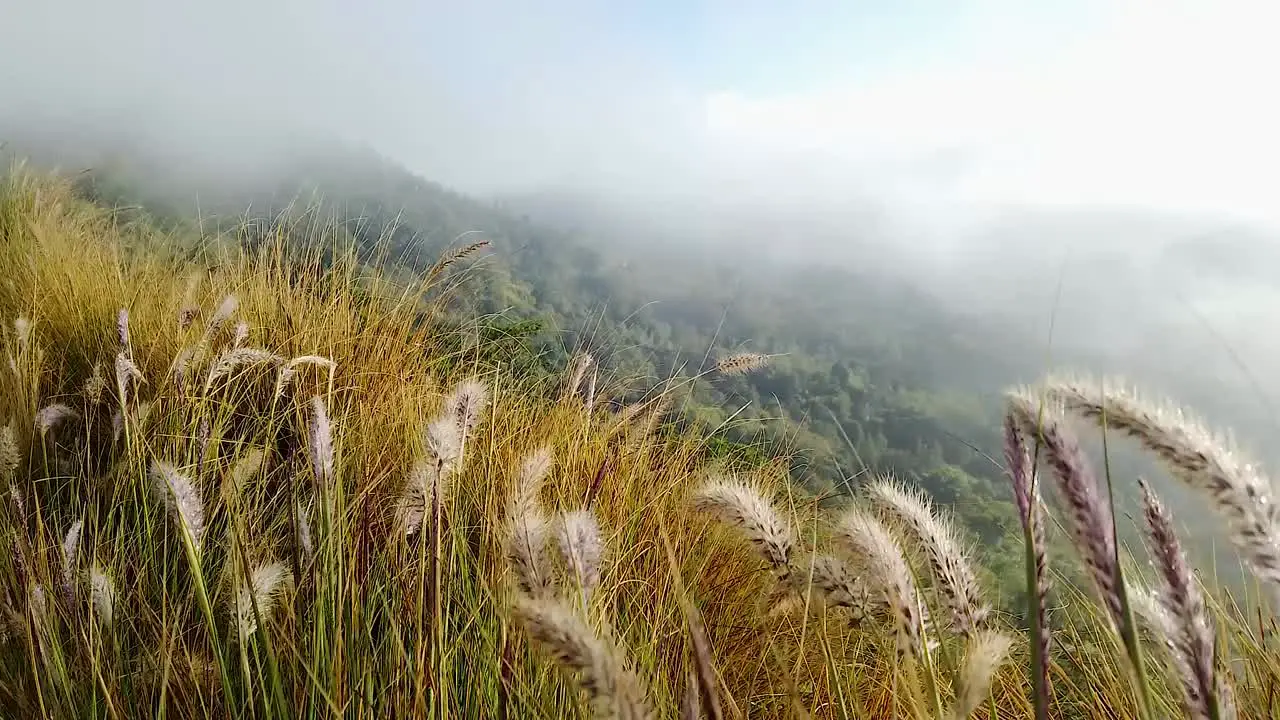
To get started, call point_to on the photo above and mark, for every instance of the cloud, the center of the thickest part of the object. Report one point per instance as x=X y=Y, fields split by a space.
x=1162 y=106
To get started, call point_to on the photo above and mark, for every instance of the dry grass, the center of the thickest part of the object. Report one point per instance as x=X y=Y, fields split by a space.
x=274 y=575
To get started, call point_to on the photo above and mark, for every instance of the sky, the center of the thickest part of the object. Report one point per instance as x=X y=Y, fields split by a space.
x=944 y=110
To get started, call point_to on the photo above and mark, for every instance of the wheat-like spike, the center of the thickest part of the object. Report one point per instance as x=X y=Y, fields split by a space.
x=1021 y=470
x=70 y=557
x=283 y=380
x=126 y=373
x=1192 y=636
x=38 y=605
x=304 y=532
x=738 y=504
x=95 y=385
x=22 y=331
x=466 y=404
x=102 y=594
x=534 y=469
x=245 y=469
x=455 y=255
x=50 y=415
x=444 y=443
x=948 y=558
x=1089 y=517
x=837 y=586
x=187 y=315
x=291 y=369
x=1196 y=456
x=527 y=525
x=181 y=496
x=420 y=487
x=220 y=316
x=122 y=329
x=581 y=545
x=581 y=364
x=615 y=691
x=230 y=360
x=986 y=652
x=589 y=401
x=266 y=583
x=10 y=456
x=872 y=542
x=741 y=363
x=240 y=334
x=321 y=447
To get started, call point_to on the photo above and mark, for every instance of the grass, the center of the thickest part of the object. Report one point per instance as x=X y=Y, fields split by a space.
x=279 y=580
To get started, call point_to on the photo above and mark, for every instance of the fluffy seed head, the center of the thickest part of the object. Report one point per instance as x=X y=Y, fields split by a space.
x=239 y=357
x=1196 y=456
x=741 y=363
x=70 y=557
x=1089 y=516
x=424 y=486
x=871 y=541
x=466 y=404
x=22 y=330
x=581 y=364
x=321 y=447
x=266 y=584
x=220 y=316
x=126 y=373
x=948 y=558
x=245 y=469
x=986 y=652
x=187 y=316
x=837 y=586
x=581 y=545
x=95 y=385
x=10 y=457
x=444 y=443
x=102 y=594
x=122 y=329
x=736 y=503
x=181 y=496
x=240 y=334
x=1190 y=635
x=50 y=415
x=528 y=552
x=602 y=670
x=304 y=532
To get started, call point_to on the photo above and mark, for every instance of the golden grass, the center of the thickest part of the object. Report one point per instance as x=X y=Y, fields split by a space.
x=357 y=634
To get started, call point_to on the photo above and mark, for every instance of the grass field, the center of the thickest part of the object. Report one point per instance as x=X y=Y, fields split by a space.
x=270 y=485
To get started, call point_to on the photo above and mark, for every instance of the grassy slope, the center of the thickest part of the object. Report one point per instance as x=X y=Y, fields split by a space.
x=358 y=635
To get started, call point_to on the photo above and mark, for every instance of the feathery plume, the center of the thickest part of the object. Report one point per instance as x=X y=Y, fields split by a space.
x=456 y=255
x=51 y=415
x=240 y=334
x=220 y=316
x=22 y=330
x=10 y=456
x=266 y=583
x=122 y=329
x=126 y=372
x=94 y=385
x=615 y=691
x=1192 y=637
x=321 y=447
x=283 y=380
x=741 y=363
x=986 y=652
x=528 y=528
x=581 y=545
x=582 y=363
x=736 y=503
x=1238 y=489
x=245 y=469
x=1021 y=469
x=187 y=315
x=868 y=538
x=304 y=532
x=70 y=556
x=466 y=404
x=947 y=556
x=590 y=400
x=230 y=360
x=424 y=482
x=38 y=604
x=837 y=586
x=102 y=594
x=181 y=497
x=444 y=443
x=1089 y=517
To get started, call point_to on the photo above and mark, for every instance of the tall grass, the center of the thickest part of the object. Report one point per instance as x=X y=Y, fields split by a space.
x=297 y=497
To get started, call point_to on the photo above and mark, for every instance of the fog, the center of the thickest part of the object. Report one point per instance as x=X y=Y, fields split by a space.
x=1109 y=169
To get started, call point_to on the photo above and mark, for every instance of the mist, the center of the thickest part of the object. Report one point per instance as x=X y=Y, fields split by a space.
x=1073 y=172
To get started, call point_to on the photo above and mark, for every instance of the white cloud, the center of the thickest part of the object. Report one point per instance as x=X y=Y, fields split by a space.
x=1164 y=106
